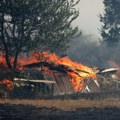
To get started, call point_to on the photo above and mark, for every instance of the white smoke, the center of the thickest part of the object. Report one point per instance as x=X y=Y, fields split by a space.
x=88 y=50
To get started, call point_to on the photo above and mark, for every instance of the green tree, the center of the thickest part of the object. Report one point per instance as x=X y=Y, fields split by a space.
x=29 y=24
x=110 y=30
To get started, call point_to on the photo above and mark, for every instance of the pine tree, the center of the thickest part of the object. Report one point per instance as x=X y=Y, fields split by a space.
x=110 y=30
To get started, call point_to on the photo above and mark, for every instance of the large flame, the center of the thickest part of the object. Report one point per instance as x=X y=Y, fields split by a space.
x=78 y=75
x=80 y=72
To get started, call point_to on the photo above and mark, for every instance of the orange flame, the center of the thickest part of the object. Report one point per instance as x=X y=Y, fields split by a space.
x=83 y=73
x=77 y=77
x=8 y=83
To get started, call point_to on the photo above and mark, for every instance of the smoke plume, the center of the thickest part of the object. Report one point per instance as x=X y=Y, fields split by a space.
x=88 y=50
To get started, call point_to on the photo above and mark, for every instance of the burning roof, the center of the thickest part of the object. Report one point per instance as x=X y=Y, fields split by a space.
x=76 y=71
x=68 y=75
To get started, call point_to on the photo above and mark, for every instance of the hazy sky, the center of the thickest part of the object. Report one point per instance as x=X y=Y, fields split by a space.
x=88 y=19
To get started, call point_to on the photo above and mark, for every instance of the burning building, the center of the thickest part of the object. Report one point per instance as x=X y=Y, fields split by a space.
x=65 y=76
x=47 y=74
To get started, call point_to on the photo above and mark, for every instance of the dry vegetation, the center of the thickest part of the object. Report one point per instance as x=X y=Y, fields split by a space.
x=15 y=109
x=66 y=105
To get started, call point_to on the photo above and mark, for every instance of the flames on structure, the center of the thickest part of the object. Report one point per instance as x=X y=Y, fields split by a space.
x=76 y=71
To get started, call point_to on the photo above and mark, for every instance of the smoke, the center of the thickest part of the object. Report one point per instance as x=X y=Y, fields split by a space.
x=88 y=50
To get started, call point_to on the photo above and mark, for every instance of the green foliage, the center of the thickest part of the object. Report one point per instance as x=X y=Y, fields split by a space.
x=26 y=25
x=110 y=30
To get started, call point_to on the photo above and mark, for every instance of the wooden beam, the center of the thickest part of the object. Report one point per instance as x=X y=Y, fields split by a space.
x=35 y=81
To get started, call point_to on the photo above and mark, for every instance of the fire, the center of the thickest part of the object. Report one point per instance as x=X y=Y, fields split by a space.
x=8 y=83
x=78 y=75
x=82 y=73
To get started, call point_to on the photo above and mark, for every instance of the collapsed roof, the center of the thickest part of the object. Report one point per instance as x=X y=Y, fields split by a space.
x=60 y=75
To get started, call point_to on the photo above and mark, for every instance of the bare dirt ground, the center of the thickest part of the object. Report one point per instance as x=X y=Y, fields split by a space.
x=106 y=109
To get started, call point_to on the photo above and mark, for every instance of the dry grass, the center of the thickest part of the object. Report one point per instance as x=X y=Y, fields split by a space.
x=107 y=109
x=66 y=105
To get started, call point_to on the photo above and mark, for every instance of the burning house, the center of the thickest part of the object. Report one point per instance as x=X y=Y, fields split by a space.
x=51 y=83
x=63 y=75
x=46 y=74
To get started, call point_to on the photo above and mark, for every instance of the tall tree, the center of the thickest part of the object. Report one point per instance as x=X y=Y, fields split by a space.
x=29 y=24
x=110 y=30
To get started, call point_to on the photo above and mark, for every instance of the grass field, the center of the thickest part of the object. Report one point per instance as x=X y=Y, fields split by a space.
x=66 y=105
x=14 y=109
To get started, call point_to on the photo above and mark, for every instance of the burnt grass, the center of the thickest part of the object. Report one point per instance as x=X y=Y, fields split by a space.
x=19 y=111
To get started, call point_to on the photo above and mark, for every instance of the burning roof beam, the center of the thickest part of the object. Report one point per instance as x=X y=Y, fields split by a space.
x=60 y=68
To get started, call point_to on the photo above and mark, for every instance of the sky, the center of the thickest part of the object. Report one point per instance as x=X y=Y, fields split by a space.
x=88 y=20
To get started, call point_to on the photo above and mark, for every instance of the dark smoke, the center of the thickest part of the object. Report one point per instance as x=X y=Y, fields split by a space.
x=88 y=50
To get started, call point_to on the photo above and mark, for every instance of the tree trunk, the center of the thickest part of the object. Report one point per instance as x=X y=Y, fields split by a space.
x=15 y=60
x=4 y=43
